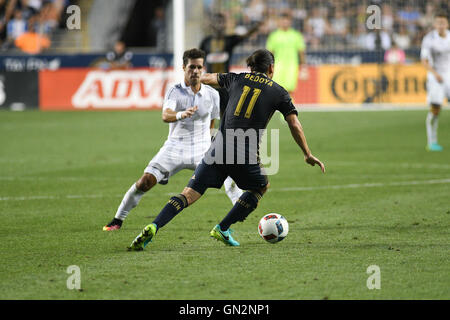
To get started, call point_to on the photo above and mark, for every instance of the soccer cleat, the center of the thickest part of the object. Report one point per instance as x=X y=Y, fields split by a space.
x=434 y=147
x=115 y=224
x=224 y=236
x=143 y=238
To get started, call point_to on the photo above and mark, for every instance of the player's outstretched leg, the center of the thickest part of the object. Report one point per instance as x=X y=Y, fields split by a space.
x=174 y=206
x=432 y=129
x=143 y=238
x=232 y=190
x=131 y=200
x=224 y=236
x=245 y=205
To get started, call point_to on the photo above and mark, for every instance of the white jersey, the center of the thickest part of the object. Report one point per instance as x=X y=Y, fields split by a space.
x=194 y=130
x=189 y=138
x=437 y=51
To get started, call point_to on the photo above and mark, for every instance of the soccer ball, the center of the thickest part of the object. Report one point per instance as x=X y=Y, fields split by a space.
x=273 y=227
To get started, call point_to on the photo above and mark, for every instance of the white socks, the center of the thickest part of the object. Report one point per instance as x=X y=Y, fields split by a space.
x=232 y=190
x=432 y=128
x=129 y=201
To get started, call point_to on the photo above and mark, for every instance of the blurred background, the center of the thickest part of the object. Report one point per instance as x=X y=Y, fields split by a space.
x=81 y=45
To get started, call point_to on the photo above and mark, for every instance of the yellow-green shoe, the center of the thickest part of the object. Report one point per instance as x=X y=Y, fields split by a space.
x=143 y=238
x=224 y=236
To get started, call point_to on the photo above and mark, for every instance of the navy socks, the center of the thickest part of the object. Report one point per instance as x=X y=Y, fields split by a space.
x=174 y=206
x=241 y=209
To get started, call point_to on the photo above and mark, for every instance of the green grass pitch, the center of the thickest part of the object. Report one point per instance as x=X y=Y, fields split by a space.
x=383 y=201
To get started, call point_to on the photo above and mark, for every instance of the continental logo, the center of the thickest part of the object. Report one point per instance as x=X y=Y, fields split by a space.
x=259 y=79
x=373 y=84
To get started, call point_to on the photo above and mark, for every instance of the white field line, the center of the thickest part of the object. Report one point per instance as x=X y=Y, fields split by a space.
x=437 y=166
x=365 y=185
x=363 y=107
x=332 y=187
x=397 y=165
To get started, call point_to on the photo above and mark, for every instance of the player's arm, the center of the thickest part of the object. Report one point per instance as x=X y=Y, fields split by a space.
x=425 y=56
x=252 y=30
x=168 y=115
x=303 y=75
x=212 y=129
x=299 y=137
x=209 y=79
x=429 y=68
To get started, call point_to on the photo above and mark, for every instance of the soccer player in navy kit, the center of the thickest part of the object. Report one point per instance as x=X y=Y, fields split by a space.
x=254 y=97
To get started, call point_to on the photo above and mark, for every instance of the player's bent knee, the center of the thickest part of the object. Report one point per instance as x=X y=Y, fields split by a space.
x=146 y=182
x=191 y=195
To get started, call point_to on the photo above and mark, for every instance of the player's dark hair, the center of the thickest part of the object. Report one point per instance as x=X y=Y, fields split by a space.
x=441 y=14
x=193 y=54
x=260 y=60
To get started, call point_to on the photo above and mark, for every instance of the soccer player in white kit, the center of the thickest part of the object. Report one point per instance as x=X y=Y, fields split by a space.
x=190 y=108
x=435 y=55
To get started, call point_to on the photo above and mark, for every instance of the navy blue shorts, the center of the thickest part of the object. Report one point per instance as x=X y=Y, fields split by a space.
x=246 y=176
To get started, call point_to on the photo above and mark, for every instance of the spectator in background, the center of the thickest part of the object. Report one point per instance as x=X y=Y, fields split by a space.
x=28 y=10
x=34 y=5
x=49 y=15
x=395 y=55
x=387 y=18
x=316 y=27
x=356 y=39
x=119 y=57
x=158 y=24
x=339 y=27
x=255 y=11
x=32 y=42
x=409 y=16
x=16 y=27
x=427 y=20
x=378 y=40
x=402 y=38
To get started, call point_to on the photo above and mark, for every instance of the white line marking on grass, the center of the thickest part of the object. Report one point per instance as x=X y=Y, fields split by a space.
x=397 y=165
x=87 y=196
x=332 y=187
x=366 y=185
x=362 y=107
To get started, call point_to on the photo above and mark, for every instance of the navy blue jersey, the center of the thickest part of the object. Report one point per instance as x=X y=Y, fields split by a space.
x=219 y=51
x=253 y=99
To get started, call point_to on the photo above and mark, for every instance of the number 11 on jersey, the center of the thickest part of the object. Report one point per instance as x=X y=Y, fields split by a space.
x=245 y=91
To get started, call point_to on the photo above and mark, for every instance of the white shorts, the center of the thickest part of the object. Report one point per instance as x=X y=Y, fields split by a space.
x=170 y=159
x=437 y=92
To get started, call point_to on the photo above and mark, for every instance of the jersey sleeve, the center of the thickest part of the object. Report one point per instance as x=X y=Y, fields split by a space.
x=234 y=40
x=285 y=105
x=215 y=113
x=170 y=101
x=425 y=51
x=226 y=79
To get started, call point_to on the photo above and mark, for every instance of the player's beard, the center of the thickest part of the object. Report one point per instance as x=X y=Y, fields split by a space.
x=193 y=81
